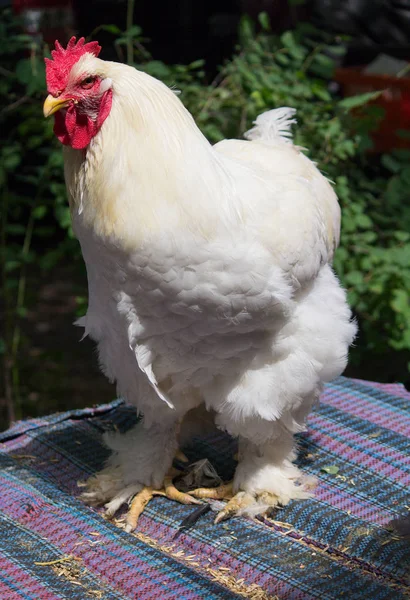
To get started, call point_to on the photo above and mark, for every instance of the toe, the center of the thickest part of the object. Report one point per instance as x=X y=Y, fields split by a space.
x=173 y=493
x=138 y=503
x=222 y=492
x=238 y=504
x=269 y=499
x=181 y=457
x=121 y=498
x=266 y=503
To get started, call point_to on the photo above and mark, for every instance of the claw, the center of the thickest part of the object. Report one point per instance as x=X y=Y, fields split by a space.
x=181 y=457
x=240 y=501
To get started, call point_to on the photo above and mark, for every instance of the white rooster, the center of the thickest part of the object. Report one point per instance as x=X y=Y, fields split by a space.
x=209 y=278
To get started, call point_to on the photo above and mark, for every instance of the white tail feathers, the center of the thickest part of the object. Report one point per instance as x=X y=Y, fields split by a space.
x=273 y=125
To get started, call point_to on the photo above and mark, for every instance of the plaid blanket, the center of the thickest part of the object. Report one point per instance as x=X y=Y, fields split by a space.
x=336 y=545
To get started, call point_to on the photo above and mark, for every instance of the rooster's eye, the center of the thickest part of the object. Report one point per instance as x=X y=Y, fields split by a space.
x=87 y=82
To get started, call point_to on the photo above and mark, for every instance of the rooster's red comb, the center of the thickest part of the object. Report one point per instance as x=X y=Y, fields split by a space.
x=58 y=68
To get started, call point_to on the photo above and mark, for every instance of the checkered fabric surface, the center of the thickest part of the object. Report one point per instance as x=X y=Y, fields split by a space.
x=335 y=545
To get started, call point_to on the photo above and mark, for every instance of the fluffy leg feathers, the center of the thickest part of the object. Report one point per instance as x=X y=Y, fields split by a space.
x=141 y=458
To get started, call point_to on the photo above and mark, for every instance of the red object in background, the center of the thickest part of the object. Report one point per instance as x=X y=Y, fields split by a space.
x=19 y=5
x=48 y=19
x=395 y=100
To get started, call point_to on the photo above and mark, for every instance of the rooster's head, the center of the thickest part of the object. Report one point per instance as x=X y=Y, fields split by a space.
x=79 y=94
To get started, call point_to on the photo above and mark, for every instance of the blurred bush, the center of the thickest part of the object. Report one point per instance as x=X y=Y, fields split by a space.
x=267 y=71
x=35 y=231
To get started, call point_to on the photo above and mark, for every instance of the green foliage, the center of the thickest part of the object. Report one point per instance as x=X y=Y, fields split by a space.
x=32 y=191
x=267 y=71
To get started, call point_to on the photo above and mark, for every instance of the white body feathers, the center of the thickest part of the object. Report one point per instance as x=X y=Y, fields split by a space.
x=208 y=267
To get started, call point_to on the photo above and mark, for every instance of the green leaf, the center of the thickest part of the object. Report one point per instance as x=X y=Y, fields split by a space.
x=197 y=64
x=320 y=91
x=391 y=163
x=282 y=59
x=337 y=50
x=24 y=71
x=111 y=29
x=364 y=221
x=246 y=29
x=401 y=301
x=359 y=100
x=402 y=236
x=354 y=278
x=11 y=161
x=157 y=69
x=39 y=212
x=133 y=32
x=31 y=72
x=324 y=60
x=63 y=216
x=369 y=236
x=121 y=40
x=12 y=265
x=288 y=39
x=330 y=469
x=264 y=21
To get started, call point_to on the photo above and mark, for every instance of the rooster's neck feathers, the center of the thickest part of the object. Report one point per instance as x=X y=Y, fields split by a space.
x=150 y=143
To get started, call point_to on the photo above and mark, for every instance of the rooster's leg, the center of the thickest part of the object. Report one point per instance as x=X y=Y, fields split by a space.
x=265 y=478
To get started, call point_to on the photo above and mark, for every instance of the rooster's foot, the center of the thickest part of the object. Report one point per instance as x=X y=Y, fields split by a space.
x=141 y=499
x=236 y=504
x=241 y=503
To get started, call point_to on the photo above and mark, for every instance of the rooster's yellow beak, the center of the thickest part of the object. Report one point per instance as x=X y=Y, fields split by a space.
x=52 y=105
